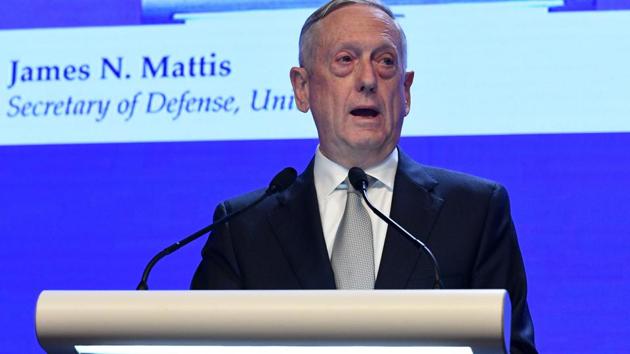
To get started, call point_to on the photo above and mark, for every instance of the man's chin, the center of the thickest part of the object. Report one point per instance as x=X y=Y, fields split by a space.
x=371 y=140
x=372 y=146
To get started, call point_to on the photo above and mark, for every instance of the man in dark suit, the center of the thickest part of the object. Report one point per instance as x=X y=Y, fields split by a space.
x=353 y=78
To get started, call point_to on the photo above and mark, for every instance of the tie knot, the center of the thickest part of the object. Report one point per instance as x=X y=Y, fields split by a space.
x=350 y=188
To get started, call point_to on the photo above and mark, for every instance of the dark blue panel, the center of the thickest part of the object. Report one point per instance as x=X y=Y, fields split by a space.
x=591 y=5
x=68 y=13
x=16 y=14
x=90 y=217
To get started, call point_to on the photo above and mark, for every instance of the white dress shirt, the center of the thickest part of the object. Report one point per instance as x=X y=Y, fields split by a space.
x=332 y=201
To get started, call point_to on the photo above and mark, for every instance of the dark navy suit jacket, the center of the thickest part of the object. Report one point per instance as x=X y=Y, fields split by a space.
x=464 y=220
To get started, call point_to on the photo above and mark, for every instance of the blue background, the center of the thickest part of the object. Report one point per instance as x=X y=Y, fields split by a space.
x=90 y=216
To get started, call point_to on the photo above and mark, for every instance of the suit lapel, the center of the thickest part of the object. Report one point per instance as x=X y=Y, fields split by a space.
x=415 y=208
x=297 y=226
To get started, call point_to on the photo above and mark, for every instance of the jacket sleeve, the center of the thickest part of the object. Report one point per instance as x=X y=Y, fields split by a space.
x=499 y=265
x=219 y=267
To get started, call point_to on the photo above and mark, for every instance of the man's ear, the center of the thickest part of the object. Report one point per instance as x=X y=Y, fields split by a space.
x=408 y=81
x=299 y=81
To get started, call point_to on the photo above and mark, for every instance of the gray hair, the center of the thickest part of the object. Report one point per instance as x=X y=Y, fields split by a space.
x=306 y=38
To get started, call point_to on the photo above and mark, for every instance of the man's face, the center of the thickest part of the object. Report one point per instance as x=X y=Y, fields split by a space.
x=355 y=85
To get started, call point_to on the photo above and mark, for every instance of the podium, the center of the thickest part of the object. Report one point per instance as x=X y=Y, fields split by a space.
x=274 y=321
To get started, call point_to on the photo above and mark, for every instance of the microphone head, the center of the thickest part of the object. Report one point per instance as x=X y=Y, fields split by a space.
x=358 y=178
x=282 y=180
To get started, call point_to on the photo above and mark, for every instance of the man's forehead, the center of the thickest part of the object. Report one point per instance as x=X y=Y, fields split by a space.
x=357 y=15
x=348 y=25
x=377 y=45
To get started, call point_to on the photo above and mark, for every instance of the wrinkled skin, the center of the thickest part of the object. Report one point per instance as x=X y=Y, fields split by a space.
x=355 y=85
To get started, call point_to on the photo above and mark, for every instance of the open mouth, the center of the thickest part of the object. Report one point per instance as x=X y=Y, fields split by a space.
x=364 y=112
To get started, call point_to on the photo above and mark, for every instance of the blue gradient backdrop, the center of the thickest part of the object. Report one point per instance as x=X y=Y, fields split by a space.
x=90 y=217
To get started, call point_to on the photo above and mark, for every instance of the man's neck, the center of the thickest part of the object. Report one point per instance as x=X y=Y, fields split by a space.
x=363 y=160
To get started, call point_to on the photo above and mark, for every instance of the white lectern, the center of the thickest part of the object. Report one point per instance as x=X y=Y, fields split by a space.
x=192 y=321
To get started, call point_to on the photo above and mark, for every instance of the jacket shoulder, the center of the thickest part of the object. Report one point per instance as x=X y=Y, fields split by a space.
x=240 y=201
x=454 y=181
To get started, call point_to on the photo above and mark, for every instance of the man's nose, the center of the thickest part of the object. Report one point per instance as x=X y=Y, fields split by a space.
x=366 y=81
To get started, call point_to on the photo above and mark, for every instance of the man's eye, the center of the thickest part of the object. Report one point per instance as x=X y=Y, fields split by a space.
x=344 y=59
x=388 y=61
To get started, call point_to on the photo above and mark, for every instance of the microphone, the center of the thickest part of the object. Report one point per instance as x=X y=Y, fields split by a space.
x=359 y=181
x=280 y=182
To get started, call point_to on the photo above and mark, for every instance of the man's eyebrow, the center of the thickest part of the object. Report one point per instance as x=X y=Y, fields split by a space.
x=345 y=46
x=386 y=47
x=355 y=47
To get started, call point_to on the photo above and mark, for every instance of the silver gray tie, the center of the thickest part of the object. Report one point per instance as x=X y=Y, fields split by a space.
x=353 y=251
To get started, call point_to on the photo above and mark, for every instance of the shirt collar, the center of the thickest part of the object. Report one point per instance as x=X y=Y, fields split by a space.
x=329 y=174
